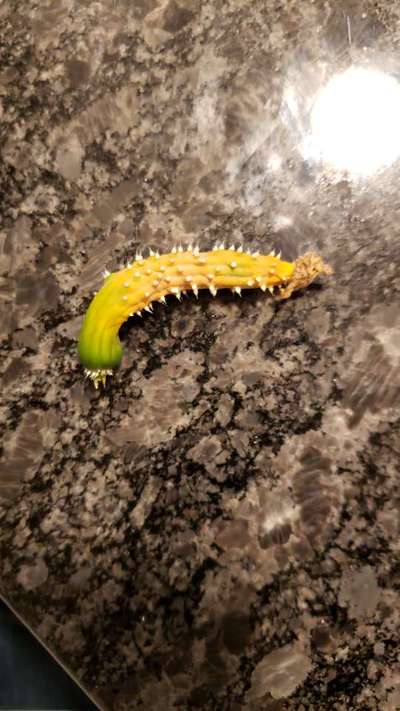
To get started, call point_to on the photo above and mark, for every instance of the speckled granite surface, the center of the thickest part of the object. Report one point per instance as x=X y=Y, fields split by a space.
x=219 y=529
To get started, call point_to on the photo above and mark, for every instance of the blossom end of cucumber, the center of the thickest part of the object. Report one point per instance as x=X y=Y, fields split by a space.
x=306 y=269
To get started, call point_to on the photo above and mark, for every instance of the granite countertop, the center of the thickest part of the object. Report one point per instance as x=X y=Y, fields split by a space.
x=219 y=527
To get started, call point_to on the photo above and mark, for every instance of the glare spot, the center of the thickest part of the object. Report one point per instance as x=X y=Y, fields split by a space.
x=291 y=101
x=282 y=221
x=355 y=122
x=274 y=162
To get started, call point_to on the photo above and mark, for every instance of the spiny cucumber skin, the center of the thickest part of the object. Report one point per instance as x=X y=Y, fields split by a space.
x=133 y=288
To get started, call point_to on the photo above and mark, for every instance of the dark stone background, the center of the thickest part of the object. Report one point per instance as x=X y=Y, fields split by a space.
x=219 y=528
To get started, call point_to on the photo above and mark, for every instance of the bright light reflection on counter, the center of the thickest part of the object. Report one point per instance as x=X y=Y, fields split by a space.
x=355 y=122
